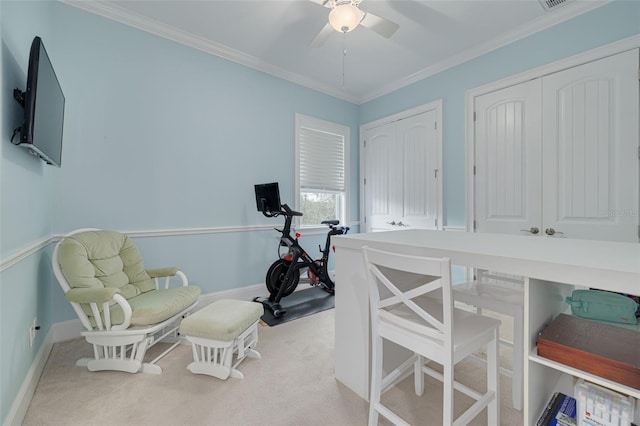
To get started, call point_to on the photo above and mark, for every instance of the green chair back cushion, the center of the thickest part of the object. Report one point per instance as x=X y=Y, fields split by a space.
x=97 y=259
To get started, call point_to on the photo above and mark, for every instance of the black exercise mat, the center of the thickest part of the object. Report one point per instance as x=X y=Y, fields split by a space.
x=300 y=304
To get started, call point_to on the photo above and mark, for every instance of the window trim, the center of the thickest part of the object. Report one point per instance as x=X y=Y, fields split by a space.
x=325 y=126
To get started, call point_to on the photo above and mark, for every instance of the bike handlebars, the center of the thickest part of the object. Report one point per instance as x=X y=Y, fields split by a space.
x=289 y=212
x=285 y=210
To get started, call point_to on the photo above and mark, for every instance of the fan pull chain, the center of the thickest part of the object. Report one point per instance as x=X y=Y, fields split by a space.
x=344 y=53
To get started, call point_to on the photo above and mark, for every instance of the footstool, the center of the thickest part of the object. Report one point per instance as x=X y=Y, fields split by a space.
x=220 y=330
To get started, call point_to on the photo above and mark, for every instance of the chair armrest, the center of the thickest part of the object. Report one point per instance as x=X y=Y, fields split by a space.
x=162 y=272
x=168 y=273
x=101 y=296
x=91 y=295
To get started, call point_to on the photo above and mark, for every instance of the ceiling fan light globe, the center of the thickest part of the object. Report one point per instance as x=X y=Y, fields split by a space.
x=345 y=17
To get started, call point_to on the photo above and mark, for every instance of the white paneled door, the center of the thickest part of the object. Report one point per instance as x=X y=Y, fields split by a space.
x=507 y=160
x=590 y=150
x=558 y=155
x=419 y=170
x=383 y=183
x=402 y=173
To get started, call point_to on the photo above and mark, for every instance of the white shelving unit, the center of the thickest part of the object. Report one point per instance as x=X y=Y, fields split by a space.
x=543 y=302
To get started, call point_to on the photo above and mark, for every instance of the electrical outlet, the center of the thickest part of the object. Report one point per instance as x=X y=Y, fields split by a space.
x=32 y=331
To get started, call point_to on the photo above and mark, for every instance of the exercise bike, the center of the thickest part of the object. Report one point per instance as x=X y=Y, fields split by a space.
x=284 y=274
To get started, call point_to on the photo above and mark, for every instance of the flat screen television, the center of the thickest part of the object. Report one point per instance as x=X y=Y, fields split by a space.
x=268 y=197
x=43 y=102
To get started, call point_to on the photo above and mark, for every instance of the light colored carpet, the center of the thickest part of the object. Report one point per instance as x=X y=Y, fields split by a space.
x=293 y=384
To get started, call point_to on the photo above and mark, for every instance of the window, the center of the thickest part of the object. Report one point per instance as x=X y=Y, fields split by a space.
x=321 y=170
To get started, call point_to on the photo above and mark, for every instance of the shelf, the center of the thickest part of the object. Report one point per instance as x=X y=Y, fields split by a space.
x=614 y=386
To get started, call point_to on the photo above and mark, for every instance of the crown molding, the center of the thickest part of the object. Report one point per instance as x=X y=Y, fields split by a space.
x=125 y=16
x=135 y=20
x=548 y=20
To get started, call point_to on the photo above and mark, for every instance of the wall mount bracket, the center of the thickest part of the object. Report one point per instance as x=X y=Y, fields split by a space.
x=18 y=95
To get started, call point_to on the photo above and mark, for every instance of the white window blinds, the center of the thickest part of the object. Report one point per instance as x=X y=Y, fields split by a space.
x=321 y=160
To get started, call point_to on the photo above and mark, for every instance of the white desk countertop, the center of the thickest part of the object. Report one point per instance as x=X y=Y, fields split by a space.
x=606 y=265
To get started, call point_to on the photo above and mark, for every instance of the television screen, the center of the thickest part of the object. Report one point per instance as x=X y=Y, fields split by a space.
x=41 y=131
x=268 y=197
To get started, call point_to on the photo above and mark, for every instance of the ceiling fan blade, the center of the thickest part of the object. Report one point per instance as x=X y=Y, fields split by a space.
x=321 y=3
x=382 y=26
x=322 y=36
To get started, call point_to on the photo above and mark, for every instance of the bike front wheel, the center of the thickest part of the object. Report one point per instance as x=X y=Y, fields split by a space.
x=276 y=277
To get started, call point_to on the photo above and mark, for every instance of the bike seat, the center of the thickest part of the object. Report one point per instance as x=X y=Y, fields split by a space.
x=330 y=222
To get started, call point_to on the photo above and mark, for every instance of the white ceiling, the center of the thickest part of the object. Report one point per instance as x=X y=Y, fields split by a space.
x=274 y=35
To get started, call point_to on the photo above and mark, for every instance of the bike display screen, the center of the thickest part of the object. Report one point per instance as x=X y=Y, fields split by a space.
x=267 y=197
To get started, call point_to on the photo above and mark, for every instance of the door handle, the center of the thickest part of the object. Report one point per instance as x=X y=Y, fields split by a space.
x=532 y=230
x=551 y=231
x=394 y=223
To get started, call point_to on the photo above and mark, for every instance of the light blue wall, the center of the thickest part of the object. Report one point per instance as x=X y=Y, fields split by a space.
x=161 y=136
x=170 y=137
x=25 y=207
x=27 y=199
x=614 y=21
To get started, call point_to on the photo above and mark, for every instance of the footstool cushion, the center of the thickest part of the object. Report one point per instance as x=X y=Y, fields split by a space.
x=222 y=320
x=220 y=331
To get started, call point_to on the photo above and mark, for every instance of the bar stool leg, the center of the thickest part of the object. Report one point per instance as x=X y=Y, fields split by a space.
x=418 y=375
x=518 y=360
x=376 y=380
x=447 y=384
x=493 y=379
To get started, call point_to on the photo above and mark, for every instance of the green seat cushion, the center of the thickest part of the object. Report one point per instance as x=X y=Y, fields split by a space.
x=222 y=320
x=156 y=306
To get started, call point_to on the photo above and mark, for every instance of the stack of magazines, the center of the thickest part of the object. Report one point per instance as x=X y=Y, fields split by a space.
x=560 y=411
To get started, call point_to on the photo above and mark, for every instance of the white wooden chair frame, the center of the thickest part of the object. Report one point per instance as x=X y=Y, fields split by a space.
x=427 y=336
x=498 y=293
x=122 y=347
x=215 y=357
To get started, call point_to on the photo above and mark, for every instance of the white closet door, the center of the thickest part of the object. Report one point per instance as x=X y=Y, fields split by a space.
x=590 y=150
x=507 y=160
x=419 y=171
x=401 y=159
x=383 y=188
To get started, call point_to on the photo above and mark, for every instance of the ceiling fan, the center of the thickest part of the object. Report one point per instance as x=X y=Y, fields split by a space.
x=346 y=15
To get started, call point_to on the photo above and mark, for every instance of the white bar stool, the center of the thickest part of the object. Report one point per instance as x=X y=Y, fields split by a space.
x=433 y=329
x=504 y=295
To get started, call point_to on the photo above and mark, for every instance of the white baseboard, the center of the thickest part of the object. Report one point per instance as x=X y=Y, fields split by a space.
x=243 y=293
x=23 y=399
x=66 y=330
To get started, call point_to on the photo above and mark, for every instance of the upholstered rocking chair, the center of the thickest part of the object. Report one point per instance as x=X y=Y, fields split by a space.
x=123 y=307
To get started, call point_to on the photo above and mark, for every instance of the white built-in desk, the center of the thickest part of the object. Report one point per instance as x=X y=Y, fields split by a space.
x=552 y=267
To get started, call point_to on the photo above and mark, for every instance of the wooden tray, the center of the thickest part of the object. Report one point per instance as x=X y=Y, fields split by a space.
x=602 y=349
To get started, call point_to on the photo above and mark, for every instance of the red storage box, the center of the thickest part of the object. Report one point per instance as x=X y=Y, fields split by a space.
x=605 y=350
